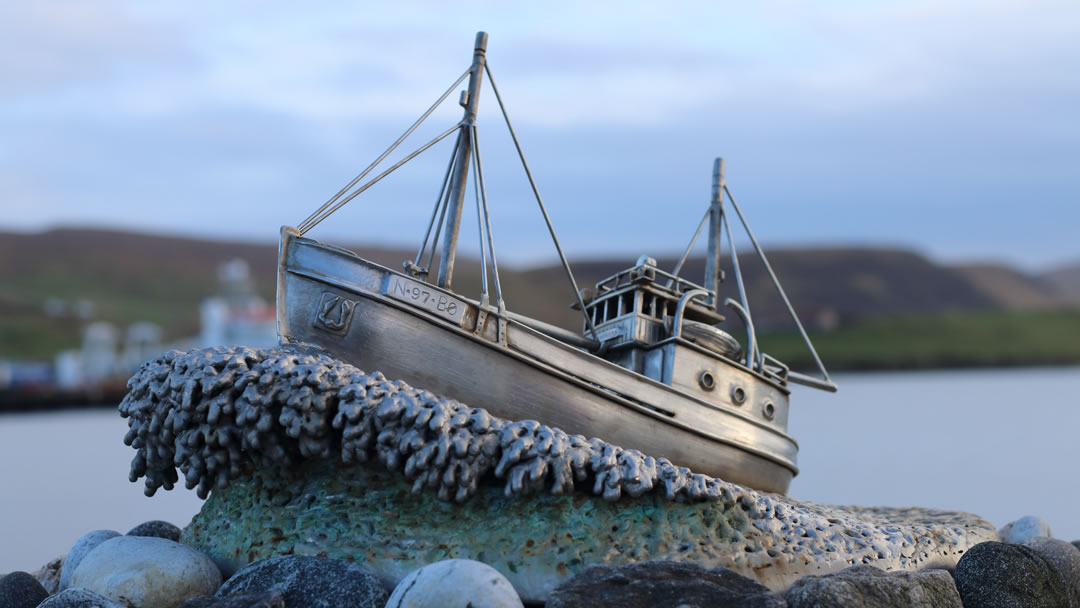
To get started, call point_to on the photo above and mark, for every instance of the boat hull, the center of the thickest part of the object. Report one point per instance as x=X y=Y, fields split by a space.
x=356 y=310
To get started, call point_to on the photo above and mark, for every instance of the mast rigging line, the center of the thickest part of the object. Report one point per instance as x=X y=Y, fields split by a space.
x=481 y=189
x=435 y=210
x=308 y=224
x=341 y=203
x=776 y=284
x=543 y=209
x=689 y=248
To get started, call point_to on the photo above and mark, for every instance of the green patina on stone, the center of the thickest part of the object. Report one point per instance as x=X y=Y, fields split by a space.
x=360 y=513
x=370 y=516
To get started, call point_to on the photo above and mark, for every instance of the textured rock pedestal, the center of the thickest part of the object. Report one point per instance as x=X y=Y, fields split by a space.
x=370 y=516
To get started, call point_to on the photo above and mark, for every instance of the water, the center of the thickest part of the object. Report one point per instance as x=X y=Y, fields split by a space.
x=1000 y=443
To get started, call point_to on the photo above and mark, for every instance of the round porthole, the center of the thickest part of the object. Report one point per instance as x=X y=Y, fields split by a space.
x=768 y=410
x=738 y=394
x=706 y=380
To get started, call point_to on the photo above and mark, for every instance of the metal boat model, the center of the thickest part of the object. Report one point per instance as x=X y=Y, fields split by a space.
x=653 y=369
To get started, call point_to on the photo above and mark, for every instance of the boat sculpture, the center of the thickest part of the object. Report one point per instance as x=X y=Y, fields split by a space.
x=653 y=369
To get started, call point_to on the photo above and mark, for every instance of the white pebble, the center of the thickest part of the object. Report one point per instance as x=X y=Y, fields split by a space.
x=1025 y=527
x=455 y=583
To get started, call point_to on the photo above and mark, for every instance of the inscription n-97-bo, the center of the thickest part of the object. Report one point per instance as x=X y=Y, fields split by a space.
x=422 y=295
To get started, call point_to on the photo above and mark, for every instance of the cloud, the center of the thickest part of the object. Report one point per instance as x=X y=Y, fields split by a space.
x=49 y=46
x=851 y=118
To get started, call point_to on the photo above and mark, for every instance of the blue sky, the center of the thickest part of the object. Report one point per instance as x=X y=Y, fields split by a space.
x=951 y=128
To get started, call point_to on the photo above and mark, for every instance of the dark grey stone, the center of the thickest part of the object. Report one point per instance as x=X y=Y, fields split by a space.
x=157 y=528
x=1065 y=557
x=1000 y=575
x=86 y=543
x=870 y=587
x=661 y=585
x=79 y=598
x=1076 y=543
x=311 y=582
x=21 y=590
x=264 y=599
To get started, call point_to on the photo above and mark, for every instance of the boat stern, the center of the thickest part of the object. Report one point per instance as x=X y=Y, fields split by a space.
x=288 y=235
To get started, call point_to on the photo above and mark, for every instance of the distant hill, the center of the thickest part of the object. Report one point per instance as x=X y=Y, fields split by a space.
x=133 y=277
x=1013 y=290
x=1066 y=281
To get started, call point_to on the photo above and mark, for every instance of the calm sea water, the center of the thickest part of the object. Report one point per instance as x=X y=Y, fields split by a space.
x=1000 y=443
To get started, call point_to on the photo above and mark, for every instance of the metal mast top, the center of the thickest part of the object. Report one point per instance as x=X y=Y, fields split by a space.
x=716 y=210
x=471 y=101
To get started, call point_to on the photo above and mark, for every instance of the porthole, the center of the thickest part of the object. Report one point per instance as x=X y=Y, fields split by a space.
x=738 y=394
x=706 y=380
x=768 y=409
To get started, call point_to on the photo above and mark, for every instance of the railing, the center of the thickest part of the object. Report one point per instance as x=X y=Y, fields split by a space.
x=649 y=273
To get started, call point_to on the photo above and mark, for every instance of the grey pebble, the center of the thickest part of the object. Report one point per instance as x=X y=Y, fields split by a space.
x=1063 y=555
x=264 y=599
x=21 y=590
x=86 y=543
x=1001 y=575
x=311 y=582
x=865 y=586
x=157 y=528
x=79 y=598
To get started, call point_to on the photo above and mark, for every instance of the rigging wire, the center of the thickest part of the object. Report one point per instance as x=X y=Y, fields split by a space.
x=487 y=220
x=308 y=225
x=776 y=284
x=438 y=203
x=543 y=209
x=341 y=203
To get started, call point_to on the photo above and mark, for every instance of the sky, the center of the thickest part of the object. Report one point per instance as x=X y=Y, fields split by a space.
x=949 y=128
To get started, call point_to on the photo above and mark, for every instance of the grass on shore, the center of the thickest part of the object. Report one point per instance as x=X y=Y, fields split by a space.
x=955 y=339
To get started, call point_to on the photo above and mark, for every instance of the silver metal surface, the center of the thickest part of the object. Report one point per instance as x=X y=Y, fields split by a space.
x=653 y=372
x=533 y=375
x=461 y=165
x=716 y=210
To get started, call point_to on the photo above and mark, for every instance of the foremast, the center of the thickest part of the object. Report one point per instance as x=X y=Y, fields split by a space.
x=470 y=99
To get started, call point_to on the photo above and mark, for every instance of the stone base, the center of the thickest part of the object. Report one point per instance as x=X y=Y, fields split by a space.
x=362 y=513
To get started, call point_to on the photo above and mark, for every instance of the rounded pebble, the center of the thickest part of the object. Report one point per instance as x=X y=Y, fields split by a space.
x=1025 y=527
x=661 y=584
x=86 y=543
x=312 y=582
x=49 y=575
x=147 y=572
x=158 y=529
x=21 y=590
x=265 y=599
x=1063 y=555
x=455 y=583
x=1000 y=575
x=869 y=587
x=80 y=598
